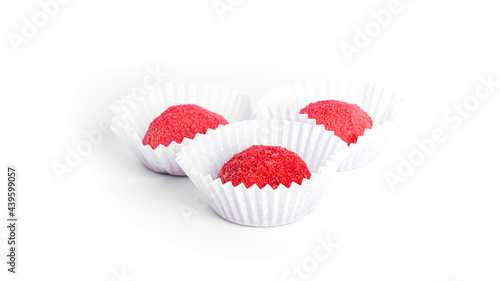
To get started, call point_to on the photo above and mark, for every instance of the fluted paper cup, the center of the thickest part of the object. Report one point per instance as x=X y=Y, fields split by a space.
x=132 y=124
x=203 y=158
x=378 y=101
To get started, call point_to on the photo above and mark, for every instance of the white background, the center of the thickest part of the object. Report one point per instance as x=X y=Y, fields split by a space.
x=112 y=219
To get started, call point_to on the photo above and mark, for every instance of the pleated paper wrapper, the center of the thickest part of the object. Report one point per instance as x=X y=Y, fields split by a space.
x=377 y=100
x=131 y=124
x=203 y=158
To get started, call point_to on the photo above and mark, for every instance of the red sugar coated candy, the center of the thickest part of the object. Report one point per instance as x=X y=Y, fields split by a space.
x=347 y=121
x=262 y=165
x=179 y=122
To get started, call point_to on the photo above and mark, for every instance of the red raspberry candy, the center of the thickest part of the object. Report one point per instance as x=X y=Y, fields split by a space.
x=262 y=165
x=347 y=121
x=179 y=122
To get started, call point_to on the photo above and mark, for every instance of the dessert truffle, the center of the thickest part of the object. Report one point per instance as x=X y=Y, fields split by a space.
x=263 y=165
x=346 y=120
x=179 y=122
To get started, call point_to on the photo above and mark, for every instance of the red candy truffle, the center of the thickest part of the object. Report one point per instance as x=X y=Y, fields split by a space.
x=262 y=165
x=347 y=121
x=179 y=122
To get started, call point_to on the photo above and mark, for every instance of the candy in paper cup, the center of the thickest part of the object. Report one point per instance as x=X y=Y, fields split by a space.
x=378 y=101
x=131 y=124
x=203 y=158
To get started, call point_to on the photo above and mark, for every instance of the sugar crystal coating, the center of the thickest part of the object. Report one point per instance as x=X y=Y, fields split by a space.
x=347 y=121
x=179 y=122
x=262 y=165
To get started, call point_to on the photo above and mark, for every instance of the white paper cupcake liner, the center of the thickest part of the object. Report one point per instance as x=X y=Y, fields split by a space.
x=132 y=124
x=203 y=158
x=378 y=101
